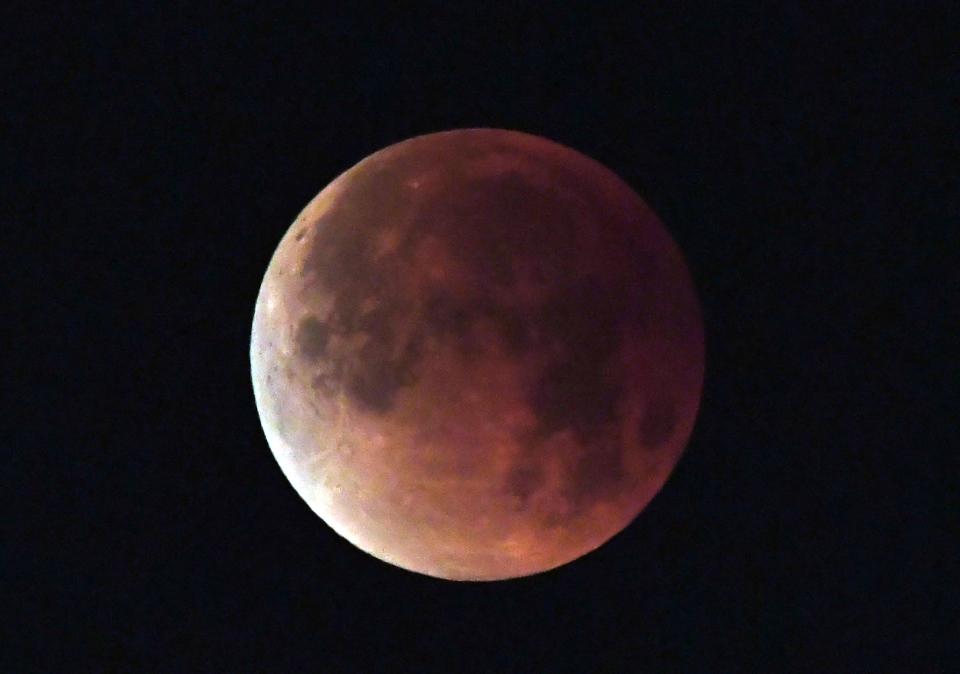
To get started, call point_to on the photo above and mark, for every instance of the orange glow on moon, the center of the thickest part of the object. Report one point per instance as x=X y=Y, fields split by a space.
x=477 y=354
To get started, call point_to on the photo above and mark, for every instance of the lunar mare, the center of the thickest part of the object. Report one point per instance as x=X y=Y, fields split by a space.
x=477 y=354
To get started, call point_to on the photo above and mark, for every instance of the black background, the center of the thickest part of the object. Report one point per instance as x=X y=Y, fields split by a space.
x=803 y=158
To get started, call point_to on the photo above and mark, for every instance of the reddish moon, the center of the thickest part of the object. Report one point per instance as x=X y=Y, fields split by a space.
x=477 y=354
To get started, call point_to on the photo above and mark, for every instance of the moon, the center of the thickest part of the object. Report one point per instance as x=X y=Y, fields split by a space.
x=477 y=354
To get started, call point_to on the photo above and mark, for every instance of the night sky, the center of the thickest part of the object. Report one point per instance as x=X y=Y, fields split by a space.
x=804 y=159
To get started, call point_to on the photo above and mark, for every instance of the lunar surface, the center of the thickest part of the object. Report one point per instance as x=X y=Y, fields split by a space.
x=477 y=354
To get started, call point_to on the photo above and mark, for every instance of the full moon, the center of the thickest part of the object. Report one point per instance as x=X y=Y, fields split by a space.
x=477 y=354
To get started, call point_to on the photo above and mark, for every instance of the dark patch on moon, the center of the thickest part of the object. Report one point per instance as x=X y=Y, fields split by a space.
x=374 y=385
x=446 y=316
x=488 y=222
x=524 y=480
x=376 y=376
x=516 y=329
x=378 y=326
x=312 y=337
x=597 y=473
x=580 y=389
x=658 y=422
x=454 y=318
